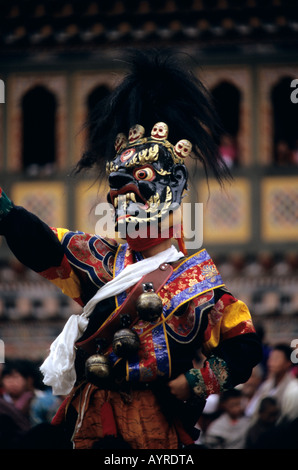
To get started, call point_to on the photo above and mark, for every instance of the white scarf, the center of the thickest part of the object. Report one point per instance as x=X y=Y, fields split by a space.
x=58 y=368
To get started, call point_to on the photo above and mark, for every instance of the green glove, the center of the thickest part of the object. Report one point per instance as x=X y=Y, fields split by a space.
x=5 y=204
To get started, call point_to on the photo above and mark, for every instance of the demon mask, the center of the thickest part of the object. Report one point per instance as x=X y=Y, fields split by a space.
x=147 y=177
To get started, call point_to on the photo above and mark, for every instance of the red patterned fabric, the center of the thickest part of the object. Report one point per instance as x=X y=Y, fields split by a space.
x=216 y=314
x=210 y=379
x=62 y=271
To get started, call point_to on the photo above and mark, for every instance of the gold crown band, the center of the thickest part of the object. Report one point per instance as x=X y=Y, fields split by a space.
x=159 y=134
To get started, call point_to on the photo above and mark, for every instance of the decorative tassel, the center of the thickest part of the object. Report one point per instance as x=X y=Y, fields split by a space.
x=184 y=437
x=61 y=412
x=109 y=427
x=180 y=240
x=110 y=438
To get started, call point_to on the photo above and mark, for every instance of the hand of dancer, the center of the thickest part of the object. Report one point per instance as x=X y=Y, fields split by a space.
x=5 y=204
x=180 y=388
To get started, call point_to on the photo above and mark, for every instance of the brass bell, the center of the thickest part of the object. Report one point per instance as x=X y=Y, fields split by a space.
x=149 y=306
x=97 y=368
x=125 y=343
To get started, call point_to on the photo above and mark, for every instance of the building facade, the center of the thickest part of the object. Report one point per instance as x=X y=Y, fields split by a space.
x=59 y=58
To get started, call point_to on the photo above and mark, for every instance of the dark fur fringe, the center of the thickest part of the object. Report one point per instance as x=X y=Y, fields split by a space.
x=157 y=88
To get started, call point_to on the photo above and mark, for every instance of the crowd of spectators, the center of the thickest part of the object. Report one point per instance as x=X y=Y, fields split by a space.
x=259 y=414
x=26 y=405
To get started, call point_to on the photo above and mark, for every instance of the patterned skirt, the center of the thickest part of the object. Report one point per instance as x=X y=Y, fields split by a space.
x=137 y=417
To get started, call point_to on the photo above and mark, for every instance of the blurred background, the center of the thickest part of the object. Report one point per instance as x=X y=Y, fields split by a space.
x=58 y=58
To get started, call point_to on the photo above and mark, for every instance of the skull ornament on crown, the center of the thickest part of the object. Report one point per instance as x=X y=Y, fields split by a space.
x=135 y=133
x=160 y=131
x=148 y=175
x=120 y=142
x=183 y=148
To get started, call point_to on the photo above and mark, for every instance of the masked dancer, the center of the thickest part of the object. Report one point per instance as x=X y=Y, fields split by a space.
x=128 y=365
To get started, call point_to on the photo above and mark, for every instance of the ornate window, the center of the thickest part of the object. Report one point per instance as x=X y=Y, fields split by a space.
x=277 y=114
x=232 y=89
x=227 y=98
x=38 y=122
x=94 y=97
x=285 y=118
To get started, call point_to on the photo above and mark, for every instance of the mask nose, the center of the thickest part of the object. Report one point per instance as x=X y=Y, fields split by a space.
x=119 y=179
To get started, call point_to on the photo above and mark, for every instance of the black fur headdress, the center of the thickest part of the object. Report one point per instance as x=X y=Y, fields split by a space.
x=157 y=88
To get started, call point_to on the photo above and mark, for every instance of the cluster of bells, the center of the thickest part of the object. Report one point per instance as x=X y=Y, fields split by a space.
x=125 y=341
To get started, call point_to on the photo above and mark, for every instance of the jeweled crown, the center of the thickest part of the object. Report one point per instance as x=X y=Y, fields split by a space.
x=159 y=134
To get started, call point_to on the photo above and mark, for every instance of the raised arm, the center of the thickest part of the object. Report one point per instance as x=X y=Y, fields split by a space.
x=32 y=242
x=37 y=246
x=76 y=262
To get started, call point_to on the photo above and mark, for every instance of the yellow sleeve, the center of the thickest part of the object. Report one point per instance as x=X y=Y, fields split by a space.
x=228 y=318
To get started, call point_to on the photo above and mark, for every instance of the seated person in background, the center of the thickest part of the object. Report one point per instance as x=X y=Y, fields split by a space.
x=17 y=385
x=229 y=430
x=280 y=379
x=258 y=436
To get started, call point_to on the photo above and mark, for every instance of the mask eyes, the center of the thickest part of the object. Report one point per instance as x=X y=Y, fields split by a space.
x=144 y=174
